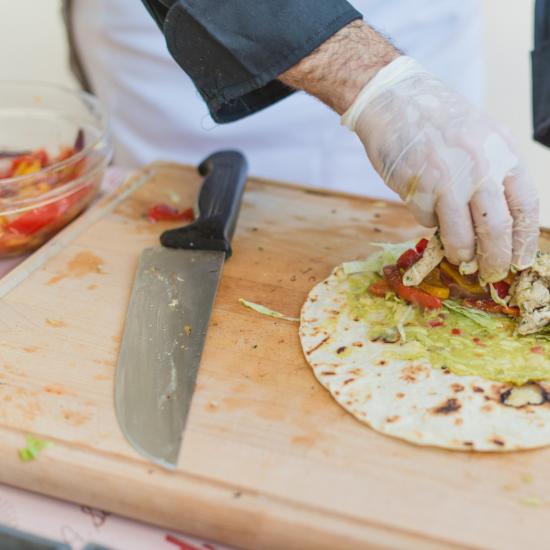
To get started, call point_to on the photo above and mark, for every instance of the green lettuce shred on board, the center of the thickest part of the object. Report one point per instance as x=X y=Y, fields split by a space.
x=266 y=311
x=33 y=448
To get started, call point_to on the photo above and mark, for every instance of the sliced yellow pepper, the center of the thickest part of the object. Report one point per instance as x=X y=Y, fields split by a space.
x=435 y=290
x=28 y=168
x=459 y=279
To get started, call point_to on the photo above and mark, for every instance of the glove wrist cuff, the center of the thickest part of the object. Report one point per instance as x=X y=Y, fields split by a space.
x=386 y=78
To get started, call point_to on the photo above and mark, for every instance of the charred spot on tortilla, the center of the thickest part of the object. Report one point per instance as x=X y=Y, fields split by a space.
x=348 y=381
x=498 y=441
x=522 y=396
x=391 y=419
x=341 y=349
x=448 y=407
x=400 y=395
x=458 y=421
x=358 y=344
x=457 y=387
x=467 y=444
x=477 y=389
x=409 y=374
x=325 y=339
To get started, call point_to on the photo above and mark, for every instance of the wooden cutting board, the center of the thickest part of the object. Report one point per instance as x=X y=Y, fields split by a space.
x=268 y=459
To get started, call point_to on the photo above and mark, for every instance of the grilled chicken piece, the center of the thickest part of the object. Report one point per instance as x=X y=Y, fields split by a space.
x=431 y=258
x=531 y=292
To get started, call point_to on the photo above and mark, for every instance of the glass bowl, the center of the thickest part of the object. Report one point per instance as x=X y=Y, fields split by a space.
x=54 y=149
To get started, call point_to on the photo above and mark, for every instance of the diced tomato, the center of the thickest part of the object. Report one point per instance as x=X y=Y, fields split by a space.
x=380 y=288
x=502 y=288
x=436 y=323
x=408 y=258
x=409 y=294
x=491 y=307
x=456 y=332
x=537 y=349
x=164 y=212
x=421 y=245
x=42 y=156
x=34 y=220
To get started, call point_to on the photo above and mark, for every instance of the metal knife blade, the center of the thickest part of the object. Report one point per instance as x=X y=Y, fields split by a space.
x=168 y=314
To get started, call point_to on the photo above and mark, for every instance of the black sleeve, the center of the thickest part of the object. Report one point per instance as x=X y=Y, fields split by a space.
x=233 y=50
x=540 y=65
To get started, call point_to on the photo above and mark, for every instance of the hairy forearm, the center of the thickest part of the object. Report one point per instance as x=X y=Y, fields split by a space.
x=337 y=71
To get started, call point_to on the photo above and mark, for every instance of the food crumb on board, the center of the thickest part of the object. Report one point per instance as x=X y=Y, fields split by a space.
x=82 y=264
x=526 y=478
x=532 y=501
x=187 y=329
x=56 y=323
x=174 y=303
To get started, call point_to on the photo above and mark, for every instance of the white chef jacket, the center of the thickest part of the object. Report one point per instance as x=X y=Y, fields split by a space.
x=156 y=112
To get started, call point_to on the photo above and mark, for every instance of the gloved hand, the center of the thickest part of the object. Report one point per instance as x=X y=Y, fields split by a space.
x=453 y=166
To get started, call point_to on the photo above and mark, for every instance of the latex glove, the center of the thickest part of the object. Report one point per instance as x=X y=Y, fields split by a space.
x=452 y=165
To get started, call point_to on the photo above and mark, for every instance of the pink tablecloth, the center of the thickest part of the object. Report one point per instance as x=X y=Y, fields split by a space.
x=78 y=525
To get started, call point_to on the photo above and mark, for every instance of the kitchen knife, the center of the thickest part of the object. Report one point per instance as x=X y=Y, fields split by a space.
x=170 y=305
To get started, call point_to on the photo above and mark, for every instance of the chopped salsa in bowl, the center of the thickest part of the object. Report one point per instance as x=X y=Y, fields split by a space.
x=54 y=148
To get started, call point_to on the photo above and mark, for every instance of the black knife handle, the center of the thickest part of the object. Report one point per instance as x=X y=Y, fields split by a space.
x=218 y=205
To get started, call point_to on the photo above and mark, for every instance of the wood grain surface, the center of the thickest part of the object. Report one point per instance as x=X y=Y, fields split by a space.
x=268 y=460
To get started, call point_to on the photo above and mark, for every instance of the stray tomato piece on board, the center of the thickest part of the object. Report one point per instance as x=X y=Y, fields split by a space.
x=164 y=212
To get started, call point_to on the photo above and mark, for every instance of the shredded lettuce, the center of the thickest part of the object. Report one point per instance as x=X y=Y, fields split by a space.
x=406 y=316
x=357 y=266
x=266 y=311
x=33 y=448
x=481 y=318
x=376 y=262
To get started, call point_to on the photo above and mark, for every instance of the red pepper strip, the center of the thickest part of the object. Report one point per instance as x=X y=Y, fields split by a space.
x=164 y=212
x=34 y=220
x=491 y=307
x=182 y=545
x=408 y=258
x=380 y=288
x=502 y=288
x=421 y=246
x=410 y=294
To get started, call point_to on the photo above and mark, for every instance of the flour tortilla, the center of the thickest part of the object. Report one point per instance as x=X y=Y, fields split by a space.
x=409 y=399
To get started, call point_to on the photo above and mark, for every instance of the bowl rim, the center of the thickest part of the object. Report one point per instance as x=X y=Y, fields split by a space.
x=89 y=100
